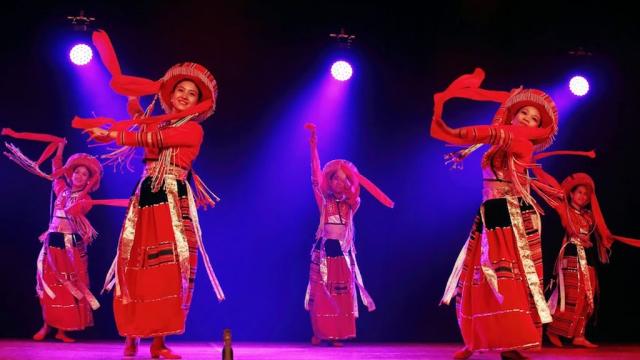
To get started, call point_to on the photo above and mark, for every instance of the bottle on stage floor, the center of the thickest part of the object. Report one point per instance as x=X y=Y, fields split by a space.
x=227 y=351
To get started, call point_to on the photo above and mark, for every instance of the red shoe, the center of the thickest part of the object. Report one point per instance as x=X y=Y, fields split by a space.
x=462 y=354
x=164 y=353
x=315 y=341
x=583 y=342
x=554 y=339
x=131 y=346
x=62 y=336
x=337 y=344
x=42 y=333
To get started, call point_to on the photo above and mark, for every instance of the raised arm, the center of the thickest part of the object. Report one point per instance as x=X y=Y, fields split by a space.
x=485 y=134
x=31 y=136
x=16 y=155
x=316 y=170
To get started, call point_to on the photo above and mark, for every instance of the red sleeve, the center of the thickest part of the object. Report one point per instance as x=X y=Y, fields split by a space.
x=561 y=209
x=485 y=134
x=86 y=205
x=81 y=207
x=469 y=135
x=59 y=183
x=189 y=134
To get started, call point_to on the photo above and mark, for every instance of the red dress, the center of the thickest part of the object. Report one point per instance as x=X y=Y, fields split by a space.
x=332 y=301
x=62 y=279
x=572 y=301
x=331 y=297
x=156 y=263
x=497 y=279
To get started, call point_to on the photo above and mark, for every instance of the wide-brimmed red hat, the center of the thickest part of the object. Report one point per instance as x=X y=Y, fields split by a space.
x=520 y=98
x=606 y=238
x=91 y=163
x=197 y=73
x=577 y=179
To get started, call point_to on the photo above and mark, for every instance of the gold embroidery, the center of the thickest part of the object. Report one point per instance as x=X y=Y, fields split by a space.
x=496 y=190
x=526 y=260
x=584 y=272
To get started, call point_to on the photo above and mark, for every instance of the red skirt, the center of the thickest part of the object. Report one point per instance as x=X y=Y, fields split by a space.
x=572 y=321
x=331 y=304
x=65 y=264
x=485 y=322
x=154 y=294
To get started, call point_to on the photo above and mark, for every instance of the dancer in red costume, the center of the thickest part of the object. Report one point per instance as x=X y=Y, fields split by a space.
x=572 y=302
x=497 y=279
x=154 y=270
x=331 y=297
x=62 y=279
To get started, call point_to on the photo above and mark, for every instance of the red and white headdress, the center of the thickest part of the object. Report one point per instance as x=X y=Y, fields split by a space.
x=520 y=98
x=91 y=163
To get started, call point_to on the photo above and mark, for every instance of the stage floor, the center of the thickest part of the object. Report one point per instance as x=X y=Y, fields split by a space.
x=26 y=349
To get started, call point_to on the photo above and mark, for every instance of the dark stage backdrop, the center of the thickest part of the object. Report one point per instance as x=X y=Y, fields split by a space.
x=271 y=60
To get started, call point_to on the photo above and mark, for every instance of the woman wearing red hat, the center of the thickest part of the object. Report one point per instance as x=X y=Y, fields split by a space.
x=331 y=297
x=62 y=279
x=497 y=278
x=572 y=300
x=154 y=270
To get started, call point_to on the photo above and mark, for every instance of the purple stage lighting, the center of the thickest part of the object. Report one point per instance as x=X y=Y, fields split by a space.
x=81 y=54
x=579 y=86
x=341 y=70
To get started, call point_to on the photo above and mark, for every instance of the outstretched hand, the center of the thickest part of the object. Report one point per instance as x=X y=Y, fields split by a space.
x=455 y=159
x=99 y=134
x=313 y=140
